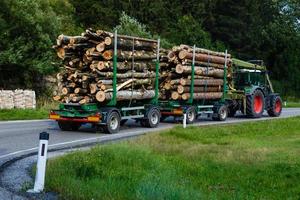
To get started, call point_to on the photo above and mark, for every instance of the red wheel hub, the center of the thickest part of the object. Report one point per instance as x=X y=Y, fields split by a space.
x=258 y=104
x=277 y=106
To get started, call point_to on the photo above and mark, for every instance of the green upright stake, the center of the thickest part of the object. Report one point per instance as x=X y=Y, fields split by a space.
x=192 y=78
x=225 y=78
x=113 y=101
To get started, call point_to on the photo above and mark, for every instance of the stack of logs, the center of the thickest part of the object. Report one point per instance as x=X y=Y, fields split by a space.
x=87 y=75
x=208 y=74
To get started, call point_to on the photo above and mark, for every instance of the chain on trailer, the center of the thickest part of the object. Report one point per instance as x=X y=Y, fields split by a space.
x=113 y=101
x=132 y=68
x=225 y=77
x=191 y=99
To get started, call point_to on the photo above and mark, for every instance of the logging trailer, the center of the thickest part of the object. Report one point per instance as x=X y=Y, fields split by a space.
x=249 y=91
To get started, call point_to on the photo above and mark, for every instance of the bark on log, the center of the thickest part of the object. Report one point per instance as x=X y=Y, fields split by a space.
x=125 y=95
x=183 y=69
x=204 y=51
x=128 y=74
x=206 y=95
x=201 y=57
x=208 y=82
x=185 y=89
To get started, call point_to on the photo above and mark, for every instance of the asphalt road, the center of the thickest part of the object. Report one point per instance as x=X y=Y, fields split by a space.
x=21 y=137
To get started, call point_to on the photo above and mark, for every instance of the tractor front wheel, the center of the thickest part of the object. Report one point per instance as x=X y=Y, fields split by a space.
x=255 y=104
x=275 y=107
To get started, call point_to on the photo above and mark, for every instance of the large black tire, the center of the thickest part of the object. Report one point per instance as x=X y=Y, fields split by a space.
x=275 y=106
x=123 y=121
x=255 y=104
x=191 y=115
x=221 y=113
x=231 y=112
x=68 y=126
x=152 y=119
x=113 y=123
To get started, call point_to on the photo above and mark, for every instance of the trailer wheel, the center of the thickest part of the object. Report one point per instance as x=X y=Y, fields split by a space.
x=68 y=126
x=153 y=118
x=255 y=104
x=221 y=114
x=275 y=106
x=123 y=121
x=112 y=123
x=190 y=115
x=231 y=112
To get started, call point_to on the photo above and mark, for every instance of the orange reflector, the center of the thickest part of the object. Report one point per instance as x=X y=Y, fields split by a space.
x=54 y=116
x=94 y=119
x=178 y=111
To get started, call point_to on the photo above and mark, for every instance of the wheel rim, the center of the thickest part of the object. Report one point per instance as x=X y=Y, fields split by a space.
x=113 y=123
x=191 y=115
x=258 y=104
x=277 y=106
x=223 y=113
x=154 y=118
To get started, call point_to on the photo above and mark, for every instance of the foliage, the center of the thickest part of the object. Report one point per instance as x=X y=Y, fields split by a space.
x=130 y=26
x=258 y=160
x=28 y=30
x=249 y=29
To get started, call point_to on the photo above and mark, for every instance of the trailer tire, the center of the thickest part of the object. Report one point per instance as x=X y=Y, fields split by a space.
x=221 y=114
x=231 y=112
x=153 y=118
x=68 y=126
x=123 y=121
x=112 y=123
x=275 y=106
x=190 y=115
x=255 y=104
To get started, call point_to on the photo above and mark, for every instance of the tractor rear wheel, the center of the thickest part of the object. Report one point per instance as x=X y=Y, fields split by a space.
x=255 y=104
x=275 y=106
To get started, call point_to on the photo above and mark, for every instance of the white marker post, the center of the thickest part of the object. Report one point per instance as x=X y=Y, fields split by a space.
x=184 y=120
x=41 y=164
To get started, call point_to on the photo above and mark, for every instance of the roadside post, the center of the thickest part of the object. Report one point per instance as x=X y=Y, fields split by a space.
x=41 y=164
x=184 y=120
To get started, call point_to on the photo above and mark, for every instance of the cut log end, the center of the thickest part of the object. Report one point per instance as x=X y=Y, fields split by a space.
x=100 y=47
x=175 y=95
x=108 y=54
x=100 y=96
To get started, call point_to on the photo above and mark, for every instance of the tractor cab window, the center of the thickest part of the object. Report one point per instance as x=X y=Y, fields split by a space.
x=250 y=77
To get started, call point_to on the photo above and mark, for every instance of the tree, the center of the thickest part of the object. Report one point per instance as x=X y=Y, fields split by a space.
x=28 y=31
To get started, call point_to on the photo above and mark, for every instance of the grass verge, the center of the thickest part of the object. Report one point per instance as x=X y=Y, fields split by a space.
x=41 y=112
x=292 y=105
x=23 y=114
x=257 y=160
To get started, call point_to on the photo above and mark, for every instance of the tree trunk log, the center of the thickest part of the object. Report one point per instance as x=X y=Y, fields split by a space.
x=184 y=89
x=201 y=57
x=206 y=95
x=183 y=69
x=125 y=95
x=208 y=82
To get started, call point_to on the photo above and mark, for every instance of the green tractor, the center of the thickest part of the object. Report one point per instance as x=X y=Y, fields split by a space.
x=250 y=90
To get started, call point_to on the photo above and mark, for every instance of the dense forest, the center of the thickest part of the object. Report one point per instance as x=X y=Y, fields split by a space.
x=250 y=29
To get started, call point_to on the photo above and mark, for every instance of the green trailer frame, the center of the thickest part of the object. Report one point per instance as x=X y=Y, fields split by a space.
x=198 y=107
x=98 y=114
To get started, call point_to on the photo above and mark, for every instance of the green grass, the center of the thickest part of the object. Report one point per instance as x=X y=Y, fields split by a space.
x=292 y=105
x=257 y=160
x=23 y=114
x=42 y=112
